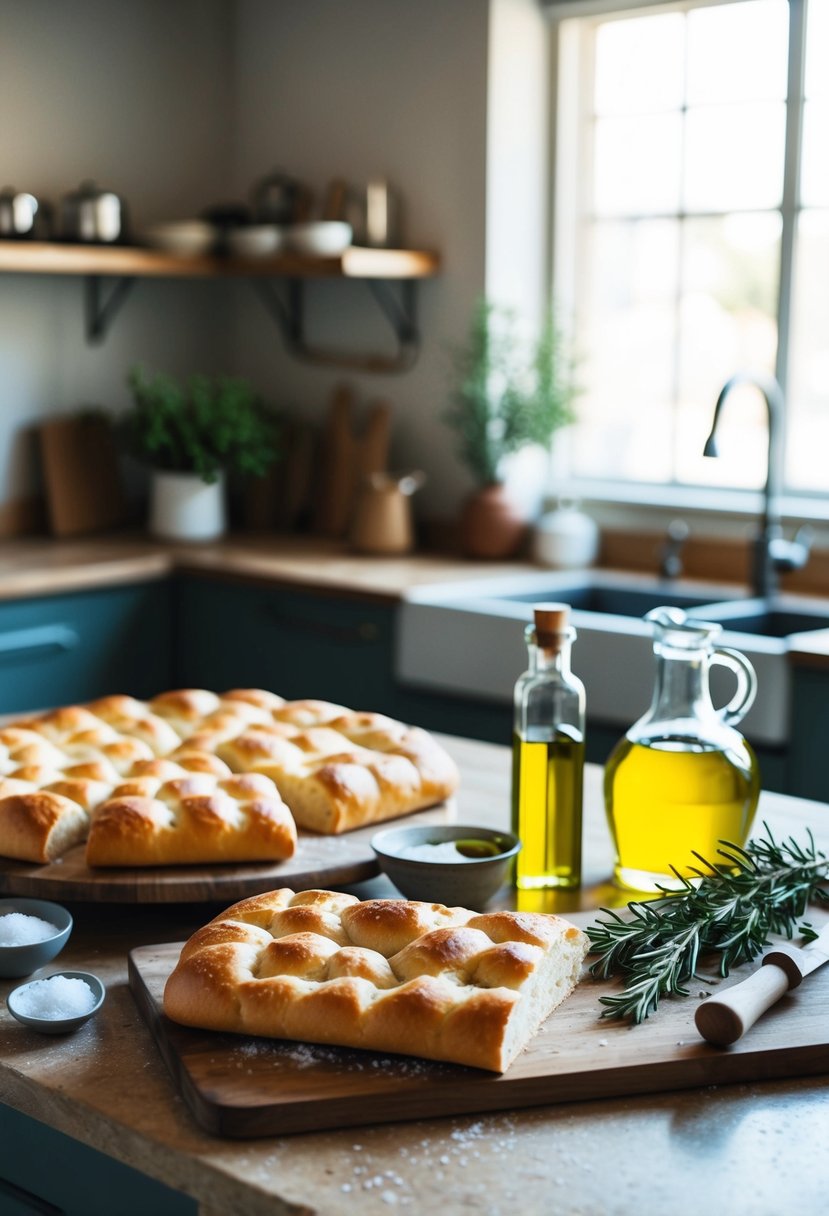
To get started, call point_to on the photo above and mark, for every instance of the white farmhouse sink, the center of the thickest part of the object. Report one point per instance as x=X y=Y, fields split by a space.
x=467 y=639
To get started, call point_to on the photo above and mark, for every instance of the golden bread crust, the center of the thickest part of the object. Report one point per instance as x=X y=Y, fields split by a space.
x=388 y=975
x=333 y=769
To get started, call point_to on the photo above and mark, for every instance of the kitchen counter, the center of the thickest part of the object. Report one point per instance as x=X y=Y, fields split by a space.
x=38 y=566
x=42 y=566
x=749 y=1148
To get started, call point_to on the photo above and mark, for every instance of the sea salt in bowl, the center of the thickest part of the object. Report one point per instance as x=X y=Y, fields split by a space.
x=58 y=1003
x=426 y=863
x=32 y=933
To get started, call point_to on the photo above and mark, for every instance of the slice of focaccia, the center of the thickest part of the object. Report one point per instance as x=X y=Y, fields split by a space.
x=388 y=975
x=38 y=824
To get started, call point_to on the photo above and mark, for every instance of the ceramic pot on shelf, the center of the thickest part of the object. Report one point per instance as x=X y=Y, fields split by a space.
x=184 y=507
x=490 y=524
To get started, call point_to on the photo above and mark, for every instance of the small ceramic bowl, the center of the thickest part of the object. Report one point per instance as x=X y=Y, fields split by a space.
x=325 y=238
x=58 y=1025
x=255 y=241
x=469 y=881
x=16 y=961
x=188 y=238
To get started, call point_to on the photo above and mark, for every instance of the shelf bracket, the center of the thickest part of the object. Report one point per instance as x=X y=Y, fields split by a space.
x=100 y=311
x=288 y=309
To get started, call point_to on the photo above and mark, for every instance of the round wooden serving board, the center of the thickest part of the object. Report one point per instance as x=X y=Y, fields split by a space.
x=318 y=862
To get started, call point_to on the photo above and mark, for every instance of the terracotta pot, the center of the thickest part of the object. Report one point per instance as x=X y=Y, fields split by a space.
x=490 y=525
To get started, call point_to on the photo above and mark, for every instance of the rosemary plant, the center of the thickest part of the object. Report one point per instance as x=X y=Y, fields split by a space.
x=726 y=913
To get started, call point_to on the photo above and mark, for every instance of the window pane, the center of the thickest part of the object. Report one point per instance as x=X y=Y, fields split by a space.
x=727 y=324
x=626 y=358
x=637 y=165
x=737 y=52
x=807 y=467
x=817 y=49
x=734 y=157
x=815 y=172
x=639 y=65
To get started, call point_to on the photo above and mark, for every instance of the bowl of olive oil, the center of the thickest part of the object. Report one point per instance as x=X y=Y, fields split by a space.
x=454 y=864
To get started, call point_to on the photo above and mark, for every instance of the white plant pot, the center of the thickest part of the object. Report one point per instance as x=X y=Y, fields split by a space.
x=183 y=507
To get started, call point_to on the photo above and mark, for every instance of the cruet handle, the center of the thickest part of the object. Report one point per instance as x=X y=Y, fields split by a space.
x=743 y=698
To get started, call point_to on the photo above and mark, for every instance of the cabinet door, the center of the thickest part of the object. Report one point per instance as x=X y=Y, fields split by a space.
x=66 y=648
x=293 y=643
x=808 y=773
x=45 y=1173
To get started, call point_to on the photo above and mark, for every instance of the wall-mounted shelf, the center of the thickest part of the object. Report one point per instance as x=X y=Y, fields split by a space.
x=381 y=269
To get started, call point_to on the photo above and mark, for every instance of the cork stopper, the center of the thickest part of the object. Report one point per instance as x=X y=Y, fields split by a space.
x=551 y=623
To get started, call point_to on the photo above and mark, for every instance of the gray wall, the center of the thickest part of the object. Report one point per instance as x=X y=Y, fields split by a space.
x=136 y=96
x=179 y=104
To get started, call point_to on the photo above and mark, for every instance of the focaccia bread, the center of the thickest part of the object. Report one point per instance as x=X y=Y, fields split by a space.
x=196 y=817
x=388 y=975
x=38 y=824
x=334 y=768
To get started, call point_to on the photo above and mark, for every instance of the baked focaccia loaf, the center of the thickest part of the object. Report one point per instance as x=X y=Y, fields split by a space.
x=334 y=769
x=171 y=816
x=388 y=975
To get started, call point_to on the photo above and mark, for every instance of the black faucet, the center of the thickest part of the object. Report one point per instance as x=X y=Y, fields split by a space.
x=772 y=553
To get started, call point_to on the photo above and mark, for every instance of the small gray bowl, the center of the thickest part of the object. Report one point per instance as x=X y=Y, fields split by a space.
x=468 y=883
x=58 y=1025
x=17 y=961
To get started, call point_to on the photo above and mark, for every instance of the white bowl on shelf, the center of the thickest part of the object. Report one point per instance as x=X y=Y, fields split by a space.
x=325 y=238
x=256 y=241
x=188 y=238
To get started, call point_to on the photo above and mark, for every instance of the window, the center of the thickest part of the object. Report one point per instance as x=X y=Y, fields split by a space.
x=692 y=236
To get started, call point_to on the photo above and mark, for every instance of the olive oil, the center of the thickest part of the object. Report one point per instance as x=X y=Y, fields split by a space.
x=682 y=779
x=546 y=810
x=667 y=798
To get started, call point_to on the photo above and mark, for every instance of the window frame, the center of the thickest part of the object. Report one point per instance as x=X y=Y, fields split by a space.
x=570 y=152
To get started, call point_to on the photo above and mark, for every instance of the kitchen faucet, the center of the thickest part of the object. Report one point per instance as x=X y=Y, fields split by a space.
x=772 y=553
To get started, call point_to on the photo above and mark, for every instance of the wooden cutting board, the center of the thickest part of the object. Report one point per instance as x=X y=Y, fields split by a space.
x=320 y=861
x=241 y=1086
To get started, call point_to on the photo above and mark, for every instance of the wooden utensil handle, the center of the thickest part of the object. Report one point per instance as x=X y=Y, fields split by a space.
x=724 y=1019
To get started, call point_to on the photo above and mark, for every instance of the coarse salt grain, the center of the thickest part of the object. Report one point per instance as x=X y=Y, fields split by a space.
x=57 y=997
x=18 y=929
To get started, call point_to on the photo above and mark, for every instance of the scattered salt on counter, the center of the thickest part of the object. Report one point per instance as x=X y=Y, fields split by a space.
x=445 y=851
x=57 y=997
x=17 y=929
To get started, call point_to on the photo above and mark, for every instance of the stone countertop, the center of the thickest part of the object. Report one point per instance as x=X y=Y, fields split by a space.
x=750 y=1148
x=43 y=566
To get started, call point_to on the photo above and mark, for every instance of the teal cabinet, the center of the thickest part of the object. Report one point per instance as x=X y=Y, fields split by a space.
x=44 y=1173
x=68 y=648
x=298 y=645
x=808 y=771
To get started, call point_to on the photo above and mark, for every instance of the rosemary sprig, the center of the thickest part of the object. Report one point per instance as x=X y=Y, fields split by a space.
x=729 y=910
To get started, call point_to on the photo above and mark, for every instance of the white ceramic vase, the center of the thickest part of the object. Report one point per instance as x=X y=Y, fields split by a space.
x=565 y=538
x=183 y=507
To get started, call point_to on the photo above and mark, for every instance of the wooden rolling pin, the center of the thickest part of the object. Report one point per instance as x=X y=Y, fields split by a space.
x=724 y=1019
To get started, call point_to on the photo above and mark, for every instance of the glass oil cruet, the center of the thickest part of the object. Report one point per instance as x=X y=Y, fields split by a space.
x=682 y=779
x=548 y=757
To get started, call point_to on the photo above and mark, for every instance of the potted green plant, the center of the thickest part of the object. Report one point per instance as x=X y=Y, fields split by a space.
x=192 y=436
x=506 y=394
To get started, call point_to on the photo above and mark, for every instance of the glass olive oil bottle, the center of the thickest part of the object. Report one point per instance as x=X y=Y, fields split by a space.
x=682 y=779
x=548 y=757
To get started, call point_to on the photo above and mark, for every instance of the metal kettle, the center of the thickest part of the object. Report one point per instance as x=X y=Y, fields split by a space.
x=93 y=216
x=22 y=216
x=279 y=199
